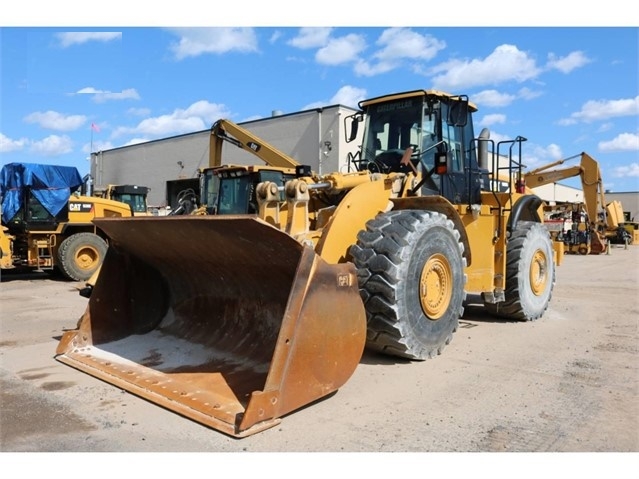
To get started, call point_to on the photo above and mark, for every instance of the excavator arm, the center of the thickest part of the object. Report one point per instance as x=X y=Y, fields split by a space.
x=225 y=130
x=591 y=182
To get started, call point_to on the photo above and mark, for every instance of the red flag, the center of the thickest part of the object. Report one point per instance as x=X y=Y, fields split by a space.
x=95 y=127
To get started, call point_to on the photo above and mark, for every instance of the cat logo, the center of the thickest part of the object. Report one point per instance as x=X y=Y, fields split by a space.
x=79 y=207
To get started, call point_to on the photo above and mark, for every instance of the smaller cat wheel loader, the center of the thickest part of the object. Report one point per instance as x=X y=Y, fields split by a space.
x=46 y=226
x=265 y=301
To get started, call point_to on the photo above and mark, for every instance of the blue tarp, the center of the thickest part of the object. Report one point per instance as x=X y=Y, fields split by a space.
x=52 y=185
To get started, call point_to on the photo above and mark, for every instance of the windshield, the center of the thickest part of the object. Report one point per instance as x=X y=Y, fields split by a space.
x=234 y=195
x=392 y=126
x=136 y=202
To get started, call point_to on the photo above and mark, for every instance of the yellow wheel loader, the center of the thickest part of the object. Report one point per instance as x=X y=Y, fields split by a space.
x=264 y=304
x=46 y=226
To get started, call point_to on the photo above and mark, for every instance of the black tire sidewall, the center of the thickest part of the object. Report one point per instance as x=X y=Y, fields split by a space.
x=434 y=239
x=536 y=239
x=67 y=252
x=390 y=256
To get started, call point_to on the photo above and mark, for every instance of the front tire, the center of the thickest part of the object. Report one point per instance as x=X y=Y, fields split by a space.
x=530 y=274
x=411 y=278
x=80 y=255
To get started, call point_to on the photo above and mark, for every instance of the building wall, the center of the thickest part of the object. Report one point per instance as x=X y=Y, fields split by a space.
x=313 y=137
x=555 y=192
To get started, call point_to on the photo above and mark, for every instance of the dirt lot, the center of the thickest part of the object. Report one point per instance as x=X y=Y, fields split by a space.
x=565 y=383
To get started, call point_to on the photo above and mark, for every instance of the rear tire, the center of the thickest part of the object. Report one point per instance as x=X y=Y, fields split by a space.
x=411 y=278
x=80 y=255
x=530 y=274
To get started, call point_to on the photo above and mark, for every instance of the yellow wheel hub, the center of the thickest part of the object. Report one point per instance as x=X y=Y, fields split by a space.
x=86 y=257
x=436 y=286
x=538 y=273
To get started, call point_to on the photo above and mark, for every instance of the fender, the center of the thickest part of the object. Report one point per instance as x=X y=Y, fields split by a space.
x=525 y=209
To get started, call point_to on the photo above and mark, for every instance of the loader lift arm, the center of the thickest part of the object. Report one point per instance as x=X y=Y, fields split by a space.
x=225 y=130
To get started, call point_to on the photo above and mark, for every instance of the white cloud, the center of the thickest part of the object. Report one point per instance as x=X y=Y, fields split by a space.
x=554 y=151
x=506 y=63
x=198 y=41
x=67 y=39
x=537 y=155
x=493 y=119
x=492 y=98
x=566 y=64
x=275 y=37
x=128 y=94
x=7 y=144
x=341 y=50
x=497 y=137
x=52 y=120
x=598 y=110
x=624 y=171
x=622 y=142
x=396 y=46
x=398 y=43
x=52 y=145
x=496 y=99
x=528 y=94
x=311 y=37
x=102 y=96
x=197 y=117
x=605 y=127
x=89 y=90
x=366 y=69
x=347 y=96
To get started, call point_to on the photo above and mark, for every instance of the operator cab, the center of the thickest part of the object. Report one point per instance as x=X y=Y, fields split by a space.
x=132 y=195
x=423 y=130
x=33 y=216
x=230 y=190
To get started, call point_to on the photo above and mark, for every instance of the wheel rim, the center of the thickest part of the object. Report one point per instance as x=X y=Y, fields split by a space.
x=539 y=273
x=87 y=257
x=436 y=286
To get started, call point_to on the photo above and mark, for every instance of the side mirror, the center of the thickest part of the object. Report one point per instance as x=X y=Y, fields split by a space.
x=351 y=126
x=458 y=112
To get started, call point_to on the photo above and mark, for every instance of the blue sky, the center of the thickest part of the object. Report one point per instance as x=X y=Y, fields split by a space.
x=566 y=89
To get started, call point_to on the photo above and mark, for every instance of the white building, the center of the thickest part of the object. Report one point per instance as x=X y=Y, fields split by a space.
x=312 y=137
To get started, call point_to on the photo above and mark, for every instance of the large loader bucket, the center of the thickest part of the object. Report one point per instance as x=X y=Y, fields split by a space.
x=225 y=320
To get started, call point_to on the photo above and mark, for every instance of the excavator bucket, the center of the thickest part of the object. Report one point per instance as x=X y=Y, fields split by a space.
x=225 y=320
